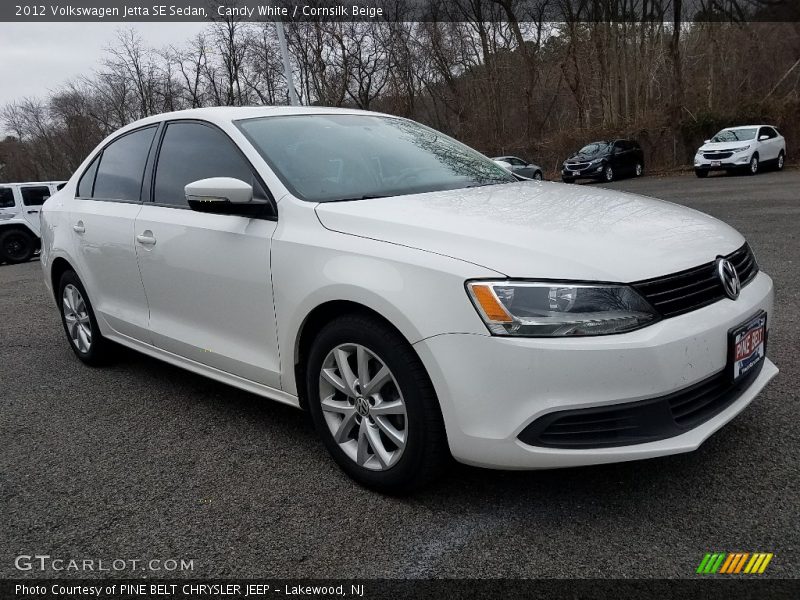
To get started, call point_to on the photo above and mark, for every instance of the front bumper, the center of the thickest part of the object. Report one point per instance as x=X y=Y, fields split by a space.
x=491 y=388
x=591 y=172
x=740 y=160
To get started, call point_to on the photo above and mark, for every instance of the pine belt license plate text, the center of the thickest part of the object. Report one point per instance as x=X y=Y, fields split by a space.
x=716 y=163
x=747 y=345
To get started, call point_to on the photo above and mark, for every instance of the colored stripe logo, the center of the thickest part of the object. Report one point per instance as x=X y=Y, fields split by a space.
x=731 y=563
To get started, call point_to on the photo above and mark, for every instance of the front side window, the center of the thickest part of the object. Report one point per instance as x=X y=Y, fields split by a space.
x=735 y=135
x=121 y=168
x=193 y=151
x=767 y=131
x=34 y=195
x=328 y=158
x=6 y=197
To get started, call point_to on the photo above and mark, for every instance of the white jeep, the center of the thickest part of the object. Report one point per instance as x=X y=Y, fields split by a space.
x=20 y=204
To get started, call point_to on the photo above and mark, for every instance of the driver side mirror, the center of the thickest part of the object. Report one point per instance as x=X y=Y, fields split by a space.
x=223 y=196
x=707 y=142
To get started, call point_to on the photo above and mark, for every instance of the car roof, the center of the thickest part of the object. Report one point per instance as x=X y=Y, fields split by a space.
x=226 y=114
x=54 y=182
x=747 y=127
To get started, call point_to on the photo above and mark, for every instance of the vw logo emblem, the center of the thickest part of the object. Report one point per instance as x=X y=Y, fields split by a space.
x=362 y=406
x=729 y=278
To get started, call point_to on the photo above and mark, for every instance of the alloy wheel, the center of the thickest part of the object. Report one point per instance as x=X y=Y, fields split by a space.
x=780 y=162
x=639 y=169
x=363 y=406
x=609 y=173
x=754 y=165
x=76 y=316
x=537 y=176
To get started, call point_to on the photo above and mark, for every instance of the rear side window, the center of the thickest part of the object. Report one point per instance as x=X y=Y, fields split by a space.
x=193 y=151
x=34 y=195
x=6 y=197
x=119 y=175
x=86 y=183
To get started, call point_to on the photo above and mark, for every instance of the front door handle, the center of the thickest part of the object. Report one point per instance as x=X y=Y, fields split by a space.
x=78 y=227
x=32 y=212
x=146 y=238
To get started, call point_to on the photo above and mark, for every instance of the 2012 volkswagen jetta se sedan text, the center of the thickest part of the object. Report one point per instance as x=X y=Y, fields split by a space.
x=413 y=296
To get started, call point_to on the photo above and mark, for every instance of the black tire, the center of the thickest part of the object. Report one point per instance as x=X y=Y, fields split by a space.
x=702 y=174
x=101 y=350
x=16 y=246
x=608 y=174
x=537 y=176
x=567 y=180
x=754 y=166
x=426 y=452
x=779 y=164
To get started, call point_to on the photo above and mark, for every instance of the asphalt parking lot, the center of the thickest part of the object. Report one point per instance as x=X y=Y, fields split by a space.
x=143 y=460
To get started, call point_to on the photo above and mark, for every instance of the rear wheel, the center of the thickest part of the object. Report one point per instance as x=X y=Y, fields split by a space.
x=16 y=246
x=80 y=324
x=373 y=405
x=701 y=173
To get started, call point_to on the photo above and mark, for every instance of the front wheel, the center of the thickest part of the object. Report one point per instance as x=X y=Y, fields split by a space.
x=537 y=176
x=753 y=167
x=701 y=173
x=608 y=174
x=373 y=405
x=16 y=246
x=568 y=180
x=781 y=160
x=639 y=169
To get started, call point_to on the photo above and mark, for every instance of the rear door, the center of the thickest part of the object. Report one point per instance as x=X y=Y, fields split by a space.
x=102 y=217
x=33 y=196
x=208 y=276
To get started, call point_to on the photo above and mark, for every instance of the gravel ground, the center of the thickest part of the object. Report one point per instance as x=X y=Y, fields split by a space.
x=146 y=461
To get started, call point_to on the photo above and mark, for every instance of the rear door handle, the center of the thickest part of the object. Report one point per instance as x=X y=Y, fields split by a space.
x=78 y=227
x=146 y=238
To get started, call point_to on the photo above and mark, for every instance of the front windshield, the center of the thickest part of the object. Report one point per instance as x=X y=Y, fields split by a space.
x=594 y=148
x=735 y=135
x=327 y=158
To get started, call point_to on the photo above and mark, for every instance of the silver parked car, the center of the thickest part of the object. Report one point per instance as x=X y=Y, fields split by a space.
x=520 y=167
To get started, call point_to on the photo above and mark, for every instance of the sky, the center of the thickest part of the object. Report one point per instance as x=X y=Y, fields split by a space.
x=38 y=57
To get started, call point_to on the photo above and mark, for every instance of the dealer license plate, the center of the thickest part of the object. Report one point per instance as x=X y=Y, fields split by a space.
x=747 y=346
x=716 y=163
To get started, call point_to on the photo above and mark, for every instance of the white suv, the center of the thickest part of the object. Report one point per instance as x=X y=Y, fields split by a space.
x=747 y=148
x=20 y=204
x=407 y=291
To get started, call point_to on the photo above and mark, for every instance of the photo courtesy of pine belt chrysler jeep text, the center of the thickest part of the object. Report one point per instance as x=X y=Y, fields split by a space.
x=415 y=297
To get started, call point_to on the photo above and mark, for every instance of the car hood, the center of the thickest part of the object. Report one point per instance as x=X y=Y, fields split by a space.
x=542 y=230
x=722 y=146
x=585 y=157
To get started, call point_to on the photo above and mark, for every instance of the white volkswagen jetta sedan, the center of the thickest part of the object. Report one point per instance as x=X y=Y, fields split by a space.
x=408 y=292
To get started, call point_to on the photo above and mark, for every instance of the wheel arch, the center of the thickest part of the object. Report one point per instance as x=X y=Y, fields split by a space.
x=59 y=266
x=314 y=322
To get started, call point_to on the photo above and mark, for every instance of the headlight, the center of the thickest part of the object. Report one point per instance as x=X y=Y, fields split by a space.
x=742 y=149
x=552 y=309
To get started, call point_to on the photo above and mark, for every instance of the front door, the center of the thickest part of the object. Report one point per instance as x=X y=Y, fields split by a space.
x=207 y=276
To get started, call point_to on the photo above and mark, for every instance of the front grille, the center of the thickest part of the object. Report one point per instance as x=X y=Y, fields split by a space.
x=694 y=288
x=577 y=166
x=717 y=155
x=637 y=422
